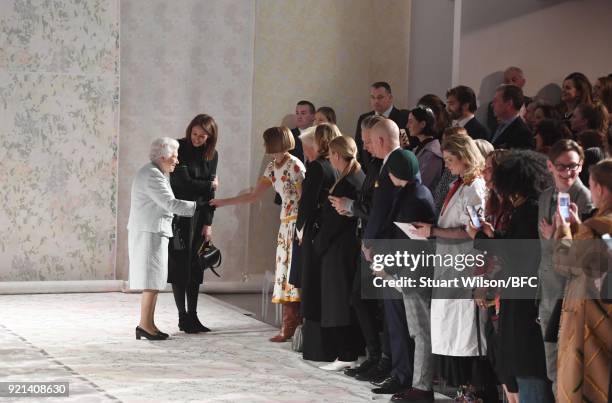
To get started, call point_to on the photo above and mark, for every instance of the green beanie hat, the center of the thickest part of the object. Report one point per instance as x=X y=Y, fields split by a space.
x=403 y=164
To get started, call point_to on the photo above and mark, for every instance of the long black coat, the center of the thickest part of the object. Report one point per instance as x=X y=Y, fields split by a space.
x=320 y=177
x=337 y=247
x=521 y=345
x=191 y=180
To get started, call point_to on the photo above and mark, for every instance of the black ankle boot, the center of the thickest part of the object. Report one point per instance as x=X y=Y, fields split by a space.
x=186 y=323
x=193 y=316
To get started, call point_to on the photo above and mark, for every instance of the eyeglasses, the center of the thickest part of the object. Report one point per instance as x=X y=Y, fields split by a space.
x=570 y=167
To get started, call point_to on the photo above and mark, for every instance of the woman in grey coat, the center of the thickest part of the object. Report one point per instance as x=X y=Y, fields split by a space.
x=149 y=227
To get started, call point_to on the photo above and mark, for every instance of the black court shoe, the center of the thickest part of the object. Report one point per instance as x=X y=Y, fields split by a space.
x=140 y=332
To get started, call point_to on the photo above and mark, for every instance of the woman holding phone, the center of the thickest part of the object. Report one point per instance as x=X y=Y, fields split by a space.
x=586 y=328
x=519 y=178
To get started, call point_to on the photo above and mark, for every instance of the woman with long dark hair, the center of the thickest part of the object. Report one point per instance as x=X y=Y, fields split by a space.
x=518 y=180
x=195 y=178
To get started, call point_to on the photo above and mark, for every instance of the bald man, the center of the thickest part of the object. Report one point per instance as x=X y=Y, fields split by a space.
x=385 y=140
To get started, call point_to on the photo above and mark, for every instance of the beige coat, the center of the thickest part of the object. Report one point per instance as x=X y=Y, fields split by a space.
x=585 y=338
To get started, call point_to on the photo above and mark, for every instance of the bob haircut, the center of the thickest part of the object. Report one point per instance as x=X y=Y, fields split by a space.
x=278 y=140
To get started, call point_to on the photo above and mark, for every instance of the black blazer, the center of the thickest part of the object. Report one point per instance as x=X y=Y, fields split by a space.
x=363 y=203
x=399 y=116
x=476 y=130
x=382 y=201
x=519 y=331
x=320 y=177
x=298 y=150
x=517 y=135
x=492 y=122
x=331 y=222
x=411 y=203
x=192 y=179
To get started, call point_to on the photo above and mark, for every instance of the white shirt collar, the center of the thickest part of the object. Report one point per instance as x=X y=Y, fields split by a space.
x=385 y=113
x=463 y=122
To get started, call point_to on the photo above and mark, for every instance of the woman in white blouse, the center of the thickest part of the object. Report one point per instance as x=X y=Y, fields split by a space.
x=457 y=325
x=149 y=227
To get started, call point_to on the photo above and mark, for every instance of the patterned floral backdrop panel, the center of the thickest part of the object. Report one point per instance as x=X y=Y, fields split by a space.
x=59 y=93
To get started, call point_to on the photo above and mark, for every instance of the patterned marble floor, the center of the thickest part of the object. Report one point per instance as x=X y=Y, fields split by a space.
x=88 y=341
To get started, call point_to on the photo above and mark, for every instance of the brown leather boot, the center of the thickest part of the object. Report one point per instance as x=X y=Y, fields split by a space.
x=291 y=319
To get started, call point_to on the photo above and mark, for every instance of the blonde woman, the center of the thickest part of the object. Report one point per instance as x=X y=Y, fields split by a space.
x=457 y=328
x=285 y=173
x=320 y=177
x=337 y=247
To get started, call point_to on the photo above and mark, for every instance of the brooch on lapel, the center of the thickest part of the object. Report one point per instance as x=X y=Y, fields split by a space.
x=376 y=184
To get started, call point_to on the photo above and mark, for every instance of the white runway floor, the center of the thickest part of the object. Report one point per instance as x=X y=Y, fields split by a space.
x=88 y=340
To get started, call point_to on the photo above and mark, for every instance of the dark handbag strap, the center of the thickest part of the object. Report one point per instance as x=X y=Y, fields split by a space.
x=212 y=268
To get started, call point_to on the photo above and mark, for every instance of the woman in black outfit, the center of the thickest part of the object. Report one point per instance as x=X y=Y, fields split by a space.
x=320 y=177
x=193 y=179
x=519 y=179
x=337 y=247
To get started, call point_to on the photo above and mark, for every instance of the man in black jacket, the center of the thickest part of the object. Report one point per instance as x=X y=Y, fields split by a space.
x=512 y=132
x=461 y=105
x=304 y=116
x=381 y=100
x=385 y=143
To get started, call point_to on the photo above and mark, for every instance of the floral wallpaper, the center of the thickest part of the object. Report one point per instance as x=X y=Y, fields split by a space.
x=179 y=60
x=59 y=94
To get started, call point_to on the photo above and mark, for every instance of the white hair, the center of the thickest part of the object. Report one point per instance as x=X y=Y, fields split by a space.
x=163 y=147
x=308 y=137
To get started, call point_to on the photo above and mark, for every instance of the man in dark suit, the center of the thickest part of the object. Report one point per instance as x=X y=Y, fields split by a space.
x=304 y=116
x=461 y=105
x=385 y=137
x=381 y=100
x=512 y=76
x=512 y=132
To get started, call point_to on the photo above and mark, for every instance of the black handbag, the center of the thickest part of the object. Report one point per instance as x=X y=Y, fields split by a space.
x=178 y=243
x=209 y=257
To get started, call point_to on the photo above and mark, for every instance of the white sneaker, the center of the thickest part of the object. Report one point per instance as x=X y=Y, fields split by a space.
x=339 y=365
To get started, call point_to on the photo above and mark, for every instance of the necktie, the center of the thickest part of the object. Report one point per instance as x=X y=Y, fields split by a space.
x=498 y=132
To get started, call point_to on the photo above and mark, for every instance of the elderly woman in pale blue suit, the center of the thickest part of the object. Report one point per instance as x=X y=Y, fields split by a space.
x=149 y=227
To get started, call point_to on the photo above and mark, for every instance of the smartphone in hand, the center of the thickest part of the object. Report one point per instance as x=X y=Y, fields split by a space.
x=474 y=218
x=564 y=205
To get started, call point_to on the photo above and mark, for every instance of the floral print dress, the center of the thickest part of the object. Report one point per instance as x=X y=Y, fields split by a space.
x=287 y=181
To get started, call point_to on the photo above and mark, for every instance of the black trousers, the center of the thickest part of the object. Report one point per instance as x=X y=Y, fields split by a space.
x=369 y=312
x=402 y=345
